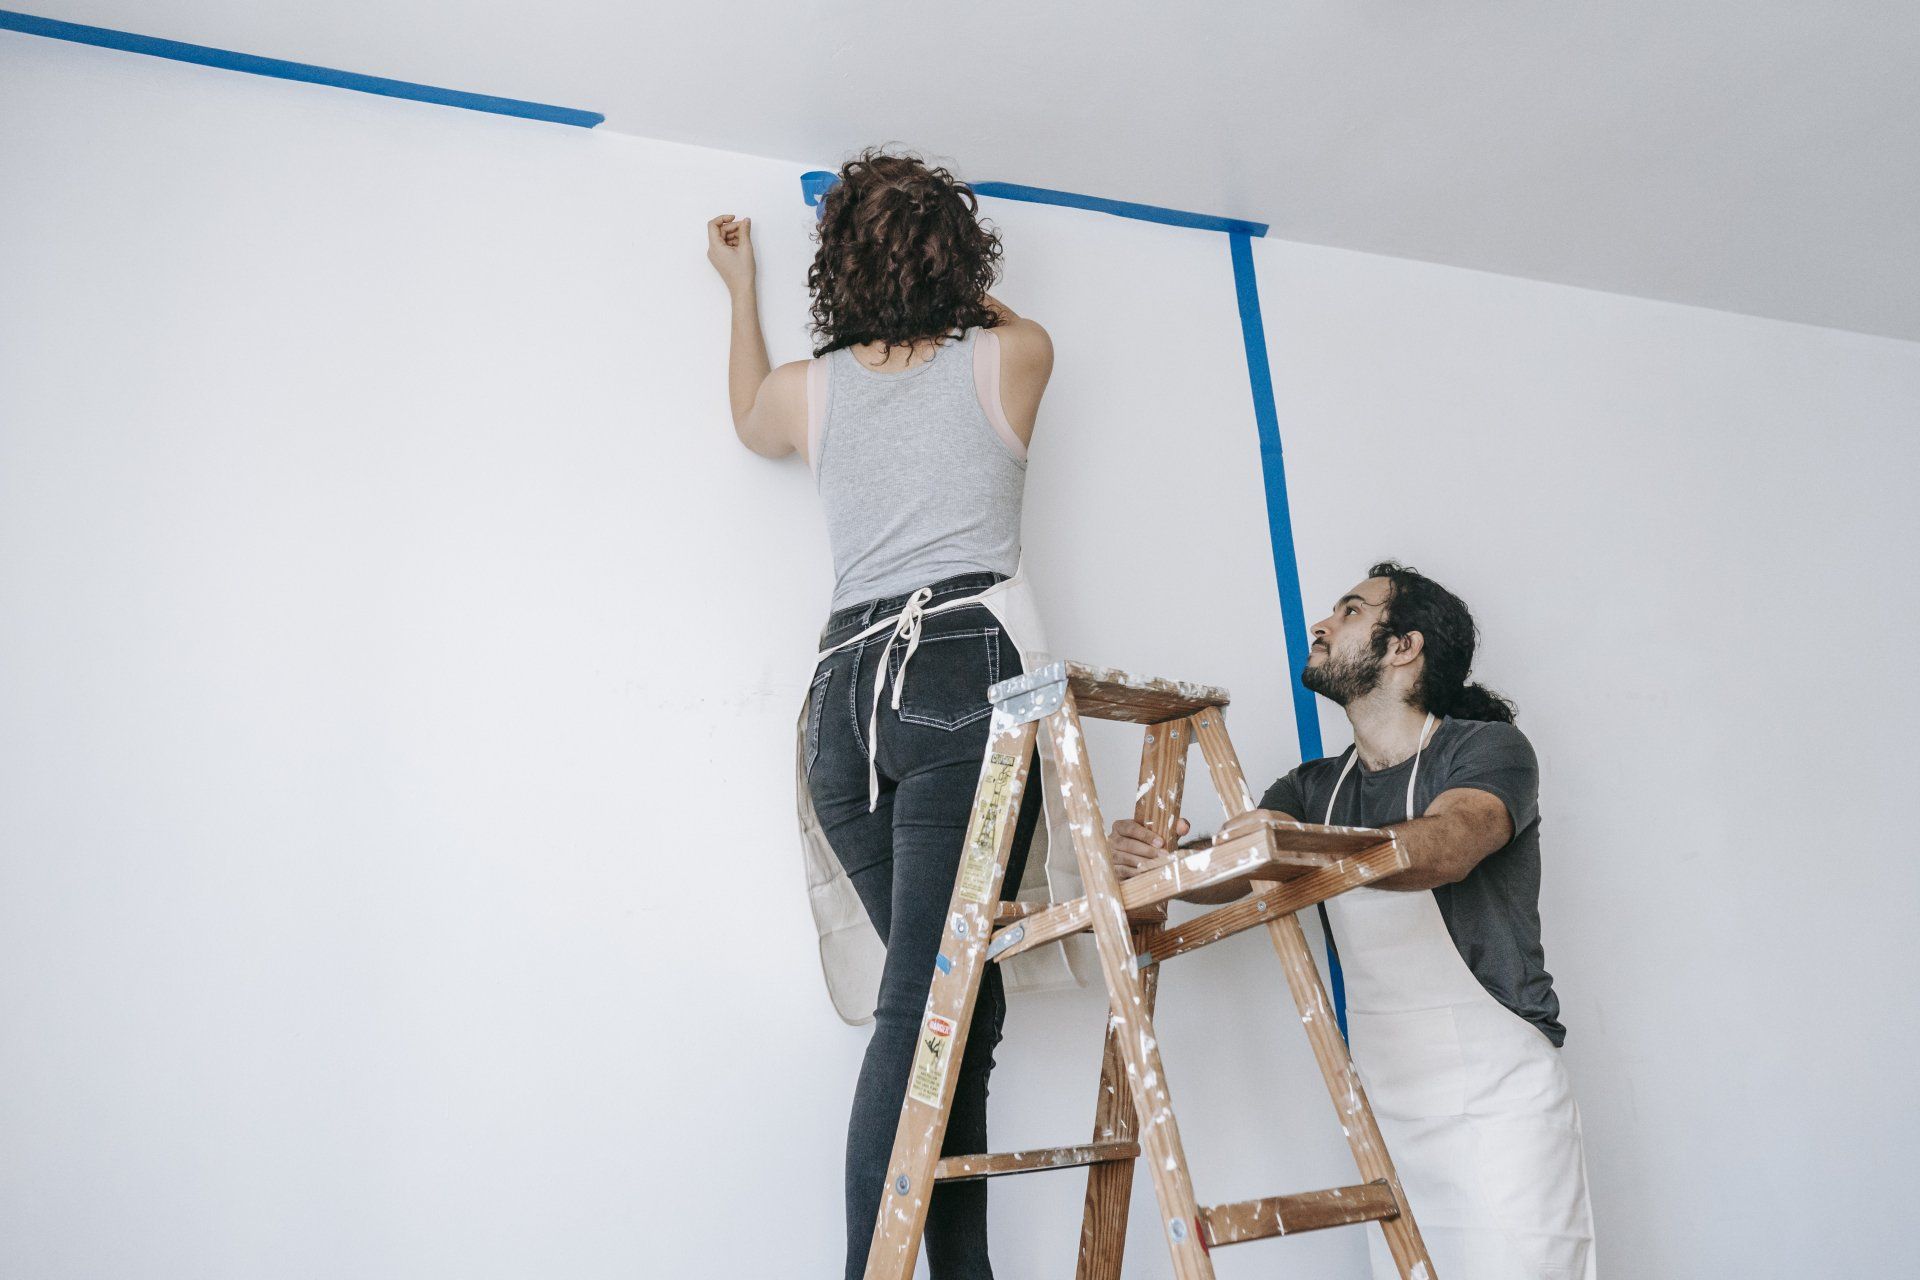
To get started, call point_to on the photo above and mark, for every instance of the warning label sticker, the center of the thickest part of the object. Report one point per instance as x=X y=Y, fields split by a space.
x=929 y=1078
x=989 y=812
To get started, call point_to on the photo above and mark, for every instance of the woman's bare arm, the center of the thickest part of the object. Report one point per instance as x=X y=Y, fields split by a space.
x=1026 y=363
x=769 y=405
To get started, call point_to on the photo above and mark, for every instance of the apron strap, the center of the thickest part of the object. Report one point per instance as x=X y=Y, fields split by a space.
x=908 y=625
x=905 y=624
x=1353 y=754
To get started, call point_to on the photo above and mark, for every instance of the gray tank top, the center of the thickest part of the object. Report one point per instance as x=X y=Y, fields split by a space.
x=918 y=483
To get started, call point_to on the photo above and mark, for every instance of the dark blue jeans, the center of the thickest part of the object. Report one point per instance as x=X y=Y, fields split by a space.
x=902 y=858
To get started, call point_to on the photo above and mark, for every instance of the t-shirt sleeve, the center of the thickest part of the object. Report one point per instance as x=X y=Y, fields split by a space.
x=1285 y=796
x=1499 y=760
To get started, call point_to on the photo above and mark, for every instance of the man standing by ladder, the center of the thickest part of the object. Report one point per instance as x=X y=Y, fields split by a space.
x=1454 y=1022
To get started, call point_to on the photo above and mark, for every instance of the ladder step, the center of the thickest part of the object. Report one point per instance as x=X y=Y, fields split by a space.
x=1103 y=693
x=1179 y=874
x=1290 y=1215
x=962 y=1168
x=1307 y=843
x=1273 y=901
x=1258 y=855
x=1008 y=912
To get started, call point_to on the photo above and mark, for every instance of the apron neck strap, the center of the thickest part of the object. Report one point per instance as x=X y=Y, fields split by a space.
x=1353 y=754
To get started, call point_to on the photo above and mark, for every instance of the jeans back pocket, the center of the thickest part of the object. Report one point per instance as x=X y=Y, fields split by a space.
x=816 y=703
x=948 y=678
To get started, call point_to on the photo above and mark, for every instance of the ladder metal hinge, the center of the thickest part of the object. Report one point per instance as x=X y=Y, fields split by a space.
x=1030 y=697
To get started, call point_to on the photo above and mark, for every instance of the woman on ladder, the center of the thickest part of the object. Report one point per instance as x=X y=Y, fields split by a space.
x=914 y=416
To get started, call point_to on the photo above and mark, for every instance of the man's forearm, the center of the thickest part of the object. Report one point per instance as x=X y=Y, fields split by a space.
x=1442 y=848
x=747 y=363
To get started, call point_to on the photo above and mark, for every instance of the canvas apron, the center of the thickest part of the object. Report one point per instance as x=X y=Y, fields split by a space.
x=1472 y=1099
x=851 y=953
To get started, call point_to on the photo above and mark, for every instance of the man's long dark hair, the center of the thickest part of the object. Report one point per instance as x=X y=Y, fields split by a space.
x=1418 y=603
x=903 y=256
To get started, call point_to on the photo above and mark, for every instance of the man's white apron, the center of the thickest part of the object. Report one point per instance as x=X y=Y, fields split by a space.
x=851 y=953
x=1472 y=1099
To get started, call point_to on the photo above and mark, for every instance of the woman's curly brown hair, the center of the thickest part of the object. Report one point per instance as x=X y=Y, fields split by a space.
x=903 y=256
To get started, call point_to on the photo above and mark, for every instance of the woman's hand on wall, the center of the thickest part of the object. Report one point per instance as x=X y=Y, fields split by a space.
x=730 y=249
x=769 y=406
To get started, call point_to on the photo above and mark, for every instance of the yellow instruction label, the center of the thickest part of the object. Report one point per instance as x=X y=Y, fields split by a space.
x=989 y=811
x=930 y=1057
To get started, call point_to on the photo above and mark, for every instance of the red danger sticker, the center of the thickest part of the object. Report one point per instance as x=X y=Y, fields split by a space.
x=928 y=1081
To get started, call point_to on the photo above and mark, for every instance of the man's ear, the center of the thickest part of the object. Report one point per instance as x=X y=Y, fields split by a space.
x=1406 y=648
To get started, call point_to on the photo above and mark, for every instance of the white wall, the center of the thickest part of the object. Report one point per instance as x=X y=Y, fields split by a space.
x=398 y=661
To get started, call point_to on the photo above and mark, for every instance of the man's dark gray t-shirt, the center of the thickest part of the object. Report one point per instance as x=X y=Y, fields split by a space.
x=1493 y=914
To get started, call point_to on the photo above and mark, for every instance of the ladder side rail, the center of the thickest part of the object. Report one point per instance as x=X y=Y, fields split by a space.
x=1103 y=1223
x=1064 y=745
x=1316 y=1015
x=950 y=1000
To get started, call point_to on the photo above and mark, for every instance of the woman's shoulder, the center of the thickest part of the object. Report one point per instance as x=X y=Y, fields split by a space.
x=789 y=380
x=786 y=392
x=1022 y=337
x=1025 y=351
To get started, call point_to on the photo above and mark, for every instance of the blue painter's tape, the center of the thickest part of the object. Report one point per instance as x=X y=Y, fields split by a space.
x=941 y=962
x=1273 y=469
x=815 y=184
x=1122 y=208
x=1336 y=978
x=1286 y=569
x=227 y=60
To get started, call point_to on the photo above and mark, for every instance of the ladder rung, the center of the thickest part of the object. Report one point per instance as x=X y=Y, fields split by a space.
x=1310 y=842
x=1290 y=1215
x=1272 y=901
x=1179 y=874
x=961 y=1168
x=1102 y=693
x=1008 y=912
x=1254 y=854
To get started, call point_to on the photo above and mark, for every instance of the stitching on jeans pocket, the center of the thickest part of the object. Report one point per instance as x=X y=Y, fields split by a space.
x=816 y=706
x=853 y=694
x=990 y=636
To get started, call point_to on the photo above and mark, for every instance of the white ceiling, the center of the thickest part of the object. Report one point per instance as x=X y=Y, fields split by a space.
x=1759 y=156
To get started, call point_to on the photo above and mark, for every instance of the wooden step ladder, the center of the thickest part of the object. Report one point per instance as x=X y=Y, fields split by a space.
x=1287 y=867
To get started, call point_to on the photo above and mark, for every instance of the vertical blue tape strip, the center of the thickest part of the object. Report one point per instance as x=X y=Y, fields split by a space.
x=1286 y=569
x=1273 y=468
x=227 y=60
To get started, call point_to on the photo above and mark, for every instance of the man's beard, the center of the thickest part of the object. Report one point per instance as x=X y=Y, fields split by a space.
x=1342 y=680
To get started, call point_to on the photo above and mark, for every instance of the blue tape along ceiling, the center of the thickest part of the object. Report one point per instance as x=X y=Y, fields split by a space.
x=227 y=60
